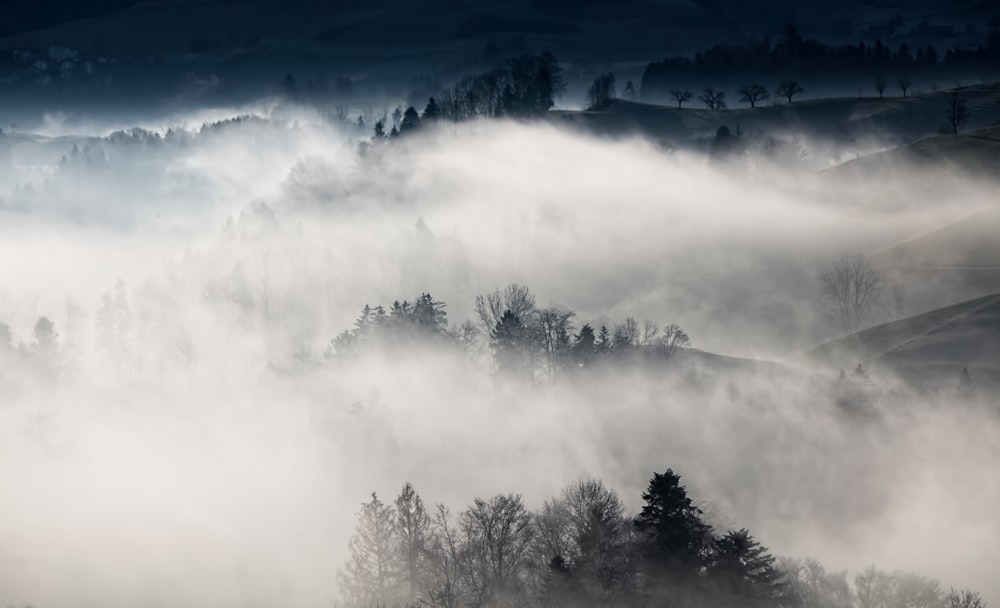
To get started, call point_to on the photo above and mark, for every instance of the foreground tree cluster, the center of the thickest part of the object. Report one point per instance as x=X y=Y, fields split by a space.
x=582 y=548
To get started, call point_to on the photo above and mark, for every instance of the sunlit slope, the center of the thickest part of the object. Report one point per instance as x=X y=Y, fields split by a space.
x=862 y=120
x=929 y=349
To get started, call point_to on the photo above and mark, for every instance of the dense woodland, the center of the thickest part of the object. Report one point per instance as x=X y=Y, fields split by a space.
x=583 y=548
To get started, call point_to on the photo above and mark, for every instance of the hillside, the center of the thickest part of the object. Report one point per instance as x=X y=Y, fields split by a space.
x=857 y=124
x=927 y=350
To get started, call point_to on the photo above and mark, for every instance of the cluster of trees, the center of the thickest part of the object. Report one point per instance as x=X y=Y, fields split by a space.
x=794 y=54
x=526 y=343
x=523 y=87
x=40 y=356
x=582 y=548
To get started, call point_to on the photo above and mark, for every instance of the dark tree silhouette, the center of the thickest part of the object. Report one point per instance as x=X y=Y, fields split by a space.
x=789 y=89
x=431 y=110
x=601 y=91
x=726 y=145
x=674 y=537
x=904 y=84
x=411 y=120
x=880 y=84
x=681 y=96
x=753 y=93
x=713 y=100
x=743 y=571
x=630 y=92
x=958 y=112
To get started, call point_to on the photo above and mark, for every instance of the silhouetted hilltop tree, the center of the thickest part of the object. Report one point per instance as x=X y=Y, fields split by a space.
x=753 y=93
x=789 y=89
x=904 y=84
x=629 y=92
x=601 y=91
x=584 y=347
x=964 y=599
x=880 y=84
x=958 y=112
x=713 y=100
x=681 y=96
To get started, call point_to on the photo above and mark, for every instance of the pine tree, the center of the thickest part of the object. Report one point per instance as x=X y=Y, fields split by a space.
x=743 y=572
x=675 y=538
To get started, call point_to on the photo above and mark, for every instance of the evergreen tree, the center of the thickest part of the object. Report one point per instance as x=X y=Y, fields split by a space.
x=431 y=111
x=411 y=120
x=742 y=571
x=675 y=539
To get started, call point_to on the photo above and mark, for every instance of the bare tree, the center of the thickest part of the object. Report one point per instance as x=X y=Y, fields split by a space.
x=789 y=89
x=880 y=85
x=713 y=100
x=490 y=307
x=965 y=599
x=958 y=112
x=681 y=96
x=851 y=287
x=499 y=533
x=753 y=93
x=904 y=83
x=672 y=340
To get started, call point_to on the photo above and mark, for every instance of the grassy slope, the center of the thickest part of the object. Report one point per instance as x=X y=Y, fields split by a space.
x=926 y=348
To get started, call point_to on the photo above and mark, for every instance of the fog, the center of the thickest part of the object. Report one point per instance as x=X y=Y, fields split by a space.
x=217 y=456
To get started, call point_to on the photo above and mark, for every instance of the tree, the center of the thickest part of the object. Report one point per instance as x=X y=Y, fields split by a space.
x=789 y=89
x=726 y=145
x=498 y=533
x=601 y=91
x=371 y=575
x=681 y=96
x=713 y=100
x=630 y=92
x=753 y=93
x=743 y=571
x=674 y=537
x=958 y=111
x=431 y=111
x=413 y=528
x=851 y=287
x=584 y=346
x=880 y=84
x=411 y=120
x=965 y=599
x=672 y=340
x=379 y=130
x=904 y=83
x=598 y=543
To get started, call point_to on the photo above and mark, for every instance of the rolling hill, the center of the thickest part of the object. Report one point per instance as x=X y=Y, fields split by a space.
x=927 y=350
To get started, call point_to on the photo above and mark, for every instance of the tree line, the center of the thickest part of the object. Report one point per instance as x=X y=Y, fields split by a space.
x=582 y=548
x=526 y=343
x=793 y=55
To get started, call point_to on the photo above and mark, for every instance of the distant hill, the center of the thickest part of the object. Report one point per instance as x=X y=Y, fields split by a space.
x=927 y=350
x=853 y=123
